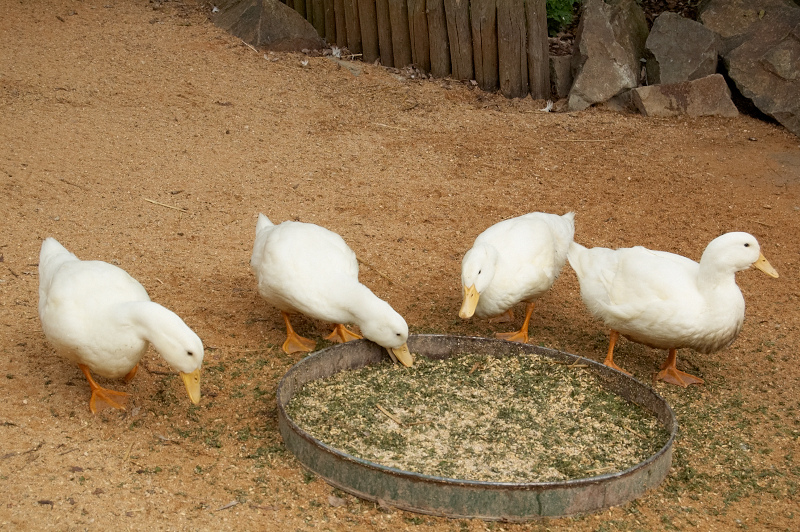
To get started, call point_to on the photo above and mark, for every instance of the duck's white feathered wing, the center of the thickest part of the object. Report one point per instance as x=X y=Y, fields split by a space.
x=79 y=305
x=650 y=296
x=300 y=267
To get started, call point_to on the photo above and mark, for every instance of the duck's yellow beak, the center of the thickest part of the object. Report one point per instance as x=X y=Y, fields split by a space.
x=764 y=265
x=471 y=297
x=192 y=382
x=402 y=354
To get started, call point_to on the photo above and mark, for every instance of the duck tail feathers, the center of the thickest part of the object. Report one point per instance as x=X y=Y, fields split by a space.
x=573 y=255
x=262 y=223
x=51 y=257
x=570 y=219
x=563 y=228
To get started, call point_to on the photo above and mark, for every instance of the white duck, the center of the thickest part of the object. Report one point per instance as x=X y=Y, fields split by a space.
x=513 y=261
x=101 y=318
x=667 y=301
x=307 y=269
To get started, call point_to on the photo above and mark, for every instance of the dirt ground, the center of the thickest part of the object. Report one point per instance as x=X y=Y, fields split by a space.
x=140 y=134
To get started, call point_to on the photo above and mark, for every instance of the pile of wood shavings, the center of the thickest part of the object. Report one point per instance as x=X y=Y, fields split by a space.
x=515 y=419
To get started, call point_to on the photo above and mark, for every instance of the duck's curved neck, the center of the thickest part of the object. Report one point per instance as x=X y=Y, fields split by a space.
x=146 y=318
x=713 y=274
x=360 y=301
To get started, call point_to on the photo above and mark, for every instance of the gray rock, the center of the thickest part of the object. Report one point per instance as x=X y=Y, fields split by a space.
x=708 y=96
x=680 y=49
x=560 y=75
x=268 y=25
x=735 y=20
x=621 y=103
x=762 y=53
x=609 y=45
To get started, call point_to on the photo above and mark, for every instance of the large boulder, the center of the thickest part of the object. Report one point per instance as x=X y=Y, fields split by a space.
x=680 y=49
x=609 y=46
x=268 y=25
x=708 y=96
x=735 y=20
x=761 y=53
x=560 y=75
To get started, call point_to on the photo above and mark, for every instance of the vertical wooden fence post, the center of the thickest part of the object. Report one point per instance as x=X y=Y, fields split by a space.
x=353 y=26
x=459 y=34
x=401 y=44
x=484 y=42
x=300 y=7
x=330 y=21
x=538 y=49
x=512 y=59
x=369 y=30
x=341 y=24
x=384 y=32
x=418 y=33
x=309 y=11
x=437 y=32
x=318 y=10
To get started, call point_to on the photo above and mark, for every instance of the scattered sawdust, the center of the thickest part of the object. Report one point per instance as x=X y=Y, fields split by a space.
x=124 y=100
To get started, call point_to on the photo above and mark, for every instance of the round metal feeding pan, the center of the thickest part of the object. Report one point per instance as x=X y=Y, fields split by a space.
x=466 y=498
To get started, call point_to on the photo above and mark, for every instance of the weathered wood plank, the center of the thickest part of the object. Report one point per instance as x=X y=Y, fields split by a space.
x=367 y=17
x=439 y=45
x=384 y=32
x=341 y=24
x=353 y=27
x=538 y=49
x=318 y=10
x=401 y=42
x=484 y=43
x=459 y=35
x=512 y=57
x=418 y=33
x=330 y=21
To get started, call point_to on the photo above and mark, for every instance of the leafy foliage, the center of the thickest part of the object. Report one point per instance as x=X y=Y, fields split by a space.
x=560 y=14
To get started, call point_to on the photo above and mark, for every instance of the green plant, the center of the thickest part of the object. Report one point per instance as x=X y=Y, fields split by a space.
x=560 y=14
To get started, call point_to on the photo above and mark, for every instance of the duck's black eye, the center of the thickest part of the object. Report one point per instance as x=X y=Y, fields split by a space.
x=190 y=353
x=747 y=244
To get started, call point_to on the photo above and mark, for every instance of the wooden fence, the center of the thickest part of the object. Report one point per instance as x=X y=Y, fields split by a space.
x=502 y=44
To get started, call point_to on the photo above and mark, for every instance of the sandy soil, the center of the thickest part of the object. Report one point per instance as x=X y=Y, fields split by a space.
x=140 y=134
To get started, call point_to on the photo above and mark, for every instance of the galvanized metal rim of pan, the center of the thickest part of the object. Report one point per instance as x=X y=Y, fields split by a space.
x=668 y=420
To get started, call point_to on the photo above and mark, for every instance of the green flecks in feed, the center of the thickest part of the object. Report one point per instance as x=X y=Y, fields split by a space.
x=475 y=417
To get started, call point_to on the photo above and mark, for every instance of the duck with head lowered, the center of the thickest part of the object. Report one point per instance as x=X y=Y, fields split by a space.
x=302 y=268
x=667 y=301
x=515 y=260
x=101 y=318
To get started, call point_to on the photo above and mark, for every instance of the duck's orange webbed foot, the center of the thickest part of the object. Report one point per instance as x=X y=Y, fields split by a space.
x=103 y=394
x=522 y=334
x=342 y=334
x=671 y=374
x=516 y=336
x=505 y=317
x=676 y=376
x=294 y=342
